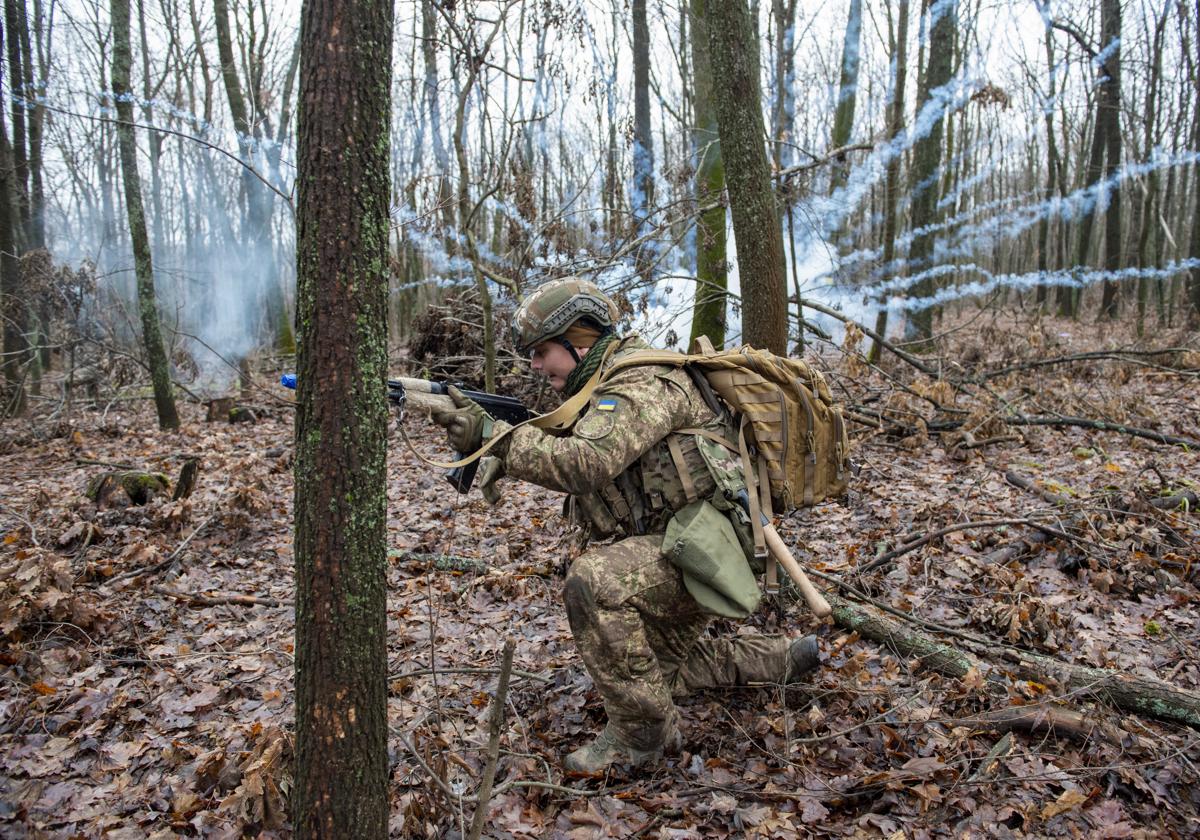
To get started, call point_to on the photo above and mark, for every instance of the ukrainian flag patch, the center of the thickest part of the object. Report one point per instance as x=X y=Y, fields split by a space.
x=606 y=405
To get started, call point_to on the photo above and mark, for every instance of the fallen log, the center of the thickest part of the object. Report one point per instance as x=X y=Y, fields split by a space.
x=1139 y=695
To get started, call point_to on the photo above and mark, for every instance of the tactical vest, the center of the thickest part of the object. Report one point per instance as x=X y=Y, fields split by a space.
x=677 y=470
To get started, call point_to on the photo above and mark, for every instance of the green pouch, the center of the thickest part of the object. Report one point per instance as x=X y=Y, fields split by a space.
x=701 y=542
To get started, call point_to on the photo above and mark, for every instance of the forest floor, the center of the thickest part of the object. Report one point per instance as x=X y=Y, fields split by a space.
x=146 y=650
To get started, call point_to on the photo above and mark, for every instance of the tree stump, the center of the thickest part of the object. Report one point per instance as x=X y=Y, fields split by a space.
x=218 y=409
x=132 y=487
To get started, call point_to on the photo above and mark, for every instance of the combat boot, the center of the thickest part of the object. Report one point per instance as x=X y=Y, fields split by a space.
x=802 y=657
x=607 y=749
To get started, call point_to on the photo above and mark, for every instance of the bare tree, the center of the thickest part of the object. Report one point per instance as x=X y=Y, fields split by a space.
x=156 y=356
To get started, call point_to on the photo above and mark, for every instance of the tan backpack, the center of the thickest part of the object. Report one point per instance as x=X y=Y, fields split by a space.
x=790 y=425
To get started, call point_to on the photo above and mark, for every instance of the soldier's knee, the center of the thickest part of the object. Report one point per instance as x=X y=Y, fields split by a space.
x=580 y=601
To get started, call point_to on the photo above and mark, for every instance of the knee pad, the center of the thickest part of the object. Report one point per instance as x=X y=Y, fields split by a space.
x=580 y=601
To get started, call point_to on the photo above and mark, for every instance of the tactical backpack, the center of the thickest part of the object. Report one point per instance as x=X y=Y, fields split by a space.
x=789 y=423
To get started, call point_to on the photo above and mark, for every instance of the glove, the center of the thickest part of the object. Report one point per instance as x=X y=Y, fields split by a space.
x=466 y=425
x=491 y=470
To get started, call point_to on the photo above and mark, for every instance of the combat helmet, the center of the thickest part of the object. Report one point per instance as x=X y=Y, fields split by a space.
x=550 y=309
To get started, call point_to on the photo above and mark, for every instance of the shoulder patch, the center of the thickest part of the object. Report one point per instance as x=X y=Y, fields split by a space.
x=595 y=425
x=607 y=404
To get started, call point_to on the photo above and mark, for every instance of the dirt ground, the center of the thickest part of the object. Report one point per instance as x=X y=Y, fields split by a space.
x=146 y=650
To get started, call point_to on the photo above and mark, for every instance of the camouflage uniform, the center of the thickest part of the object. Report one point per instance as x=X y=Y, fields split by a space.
x=636 y=626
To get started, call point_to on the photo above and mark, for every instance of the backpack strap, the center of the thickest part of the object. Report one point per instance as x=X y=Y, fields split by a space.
x=752 y=496
x=681 y=467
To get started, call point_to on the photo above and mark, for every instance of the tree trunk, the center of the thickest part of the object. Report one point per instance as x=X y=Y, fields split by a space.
x=256 y=228
x=156 y=355
x=342 y=225
x=1051 y=164
x=927 y=160
x=891 y=179
x=1149 y=204
x=843 y=120
x=12 y=304
x=642 y=193
x=708 y=314
x=1109 y=111
x=756 y=228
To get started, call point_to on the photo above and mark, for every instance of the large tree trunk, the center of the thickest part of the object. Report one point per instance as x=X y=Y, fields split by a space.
x=924 y=179
x=756 y=229
x=708 y=314
x=156 y=355
x=891 y=179
x=342 y=225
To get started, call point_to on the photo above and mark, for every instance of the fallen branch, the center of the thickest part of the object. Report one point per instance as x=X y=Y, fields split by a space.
x=971 y=443
x=198 y=600
x=495 y=724
x=1103 y=426
x=1115 y=355
x=874 y=336
x=1142 y=696
x=157 y=567
x=962 y=526
x=1052 y=720
x=1187 y=497
x=1031 y=486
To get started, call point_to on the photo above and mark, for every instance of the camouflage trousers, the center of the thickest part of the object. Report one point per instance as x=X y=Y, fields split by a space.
x=638 y=632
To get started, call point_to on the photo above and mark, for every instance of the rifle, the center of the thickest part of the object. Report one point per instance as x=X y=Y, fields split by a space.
x=426 y=395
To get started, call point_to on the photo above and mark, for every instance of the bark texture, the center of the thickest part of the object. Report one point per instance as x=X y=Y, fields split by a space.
x=341 y=419
x=156 y=355
x=756 y=228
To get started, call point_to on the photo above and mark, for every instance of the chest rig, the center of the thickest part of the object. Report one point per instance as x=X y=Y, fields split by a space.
x=668 y=476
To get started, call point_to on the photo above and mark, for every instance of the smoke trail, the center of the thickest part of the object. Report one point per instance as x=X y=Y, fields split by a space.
x=1075 y=278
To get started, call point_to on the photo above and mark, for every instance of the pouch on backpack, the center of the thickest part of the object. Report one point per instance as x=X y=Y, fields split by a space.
x=701 y=542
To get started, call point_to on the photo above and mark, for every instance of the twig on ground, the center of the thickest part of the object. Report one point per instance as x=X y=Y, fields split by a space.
x=495 y=724
x=962 y=526
x=157 y=567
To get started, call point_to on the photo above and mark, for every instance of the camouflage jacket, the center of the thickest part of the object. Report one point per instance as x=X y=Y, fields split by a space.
x=616 y=460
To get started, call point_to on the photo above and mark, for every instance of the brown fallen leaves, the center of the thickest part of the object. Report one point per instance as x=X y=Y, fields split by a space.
x=128 y=709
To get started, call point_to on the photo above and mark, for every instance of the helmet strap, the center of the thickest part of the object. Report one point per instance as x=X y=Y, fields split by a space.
x=570 y=348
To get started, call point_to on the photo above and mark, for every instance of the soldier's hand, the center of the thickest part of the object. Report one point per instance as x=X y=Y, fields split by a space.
x=491 y=471
x=466 y=425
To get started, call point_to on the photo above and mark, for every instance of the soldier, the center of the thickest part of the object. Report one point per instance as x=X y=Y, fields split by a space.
x=628 y=468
